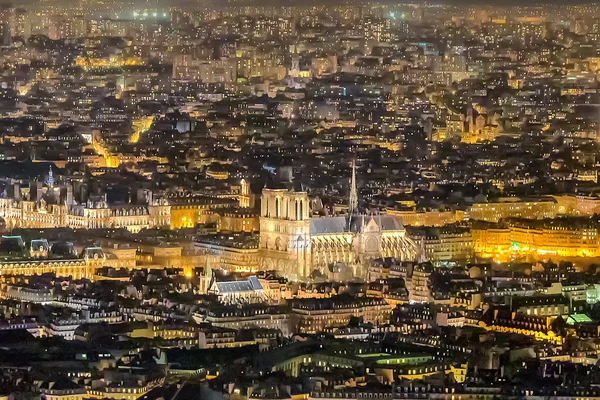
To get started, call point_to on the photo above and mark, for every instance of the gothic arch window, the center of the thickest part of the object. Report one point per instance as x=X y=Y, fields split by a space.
x=296 y=203
x=277 y=208
x=301 y=209
x=267 y=206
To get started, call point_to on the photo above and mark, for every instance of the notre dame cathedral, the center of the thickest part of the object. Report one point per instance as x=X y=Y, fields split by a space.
x=295 y=243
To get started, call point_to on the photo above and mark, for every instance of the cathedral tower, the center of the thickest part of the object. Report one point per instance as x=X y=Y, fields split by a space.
x=353 y=200
x=50 y=177
x=284 y=231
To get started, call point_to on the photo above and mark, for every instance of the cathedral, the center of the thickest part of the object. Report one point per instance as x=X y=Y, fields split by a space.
x=296 y=243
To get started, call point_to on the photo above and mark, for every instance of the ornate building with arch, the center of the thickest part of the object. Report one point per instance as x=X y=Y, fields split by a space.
x=93 y=214
x=38 y=260
x=53 y=206
x=37 y=204
x=296 y=243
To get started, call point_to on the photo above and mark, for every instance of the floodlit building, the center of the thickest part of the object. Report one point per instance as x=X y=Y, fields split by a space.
x=296 y=243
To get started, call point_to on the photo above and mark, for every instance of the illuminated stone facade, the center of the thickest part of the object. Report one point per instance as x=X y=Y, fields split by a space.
x=238 y=221
x=79 y=267
x=185 y=257
x=242 y=258
x=514 y=208
x=560 y=237
x=506 y=207
x=54 y=210
x=295 y=243
x=39 y=214
x=578 y=205
x=315 y=315
x=426 y=218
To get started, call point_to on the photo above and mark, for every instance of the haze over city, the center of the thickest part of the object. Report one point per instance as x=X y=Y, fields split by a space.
x=286 y=200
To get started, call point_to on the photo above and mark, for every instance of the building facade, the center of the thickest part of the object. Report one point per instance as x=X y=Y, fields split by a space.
x=559 y=237
x=295 y=243
x=53 y=206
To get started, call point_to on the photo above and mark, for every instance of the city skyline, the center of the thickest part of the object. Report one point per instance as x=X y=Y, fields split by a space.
x=298 y=200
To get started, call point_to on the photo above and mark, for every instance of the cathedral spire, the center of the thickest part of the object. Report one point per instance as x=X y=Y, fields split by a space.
x=50 y=177
x=353 y=200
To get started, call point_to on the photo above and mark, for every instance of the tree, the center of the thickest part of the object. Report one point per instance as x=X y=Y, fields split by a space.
x=355 y=321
